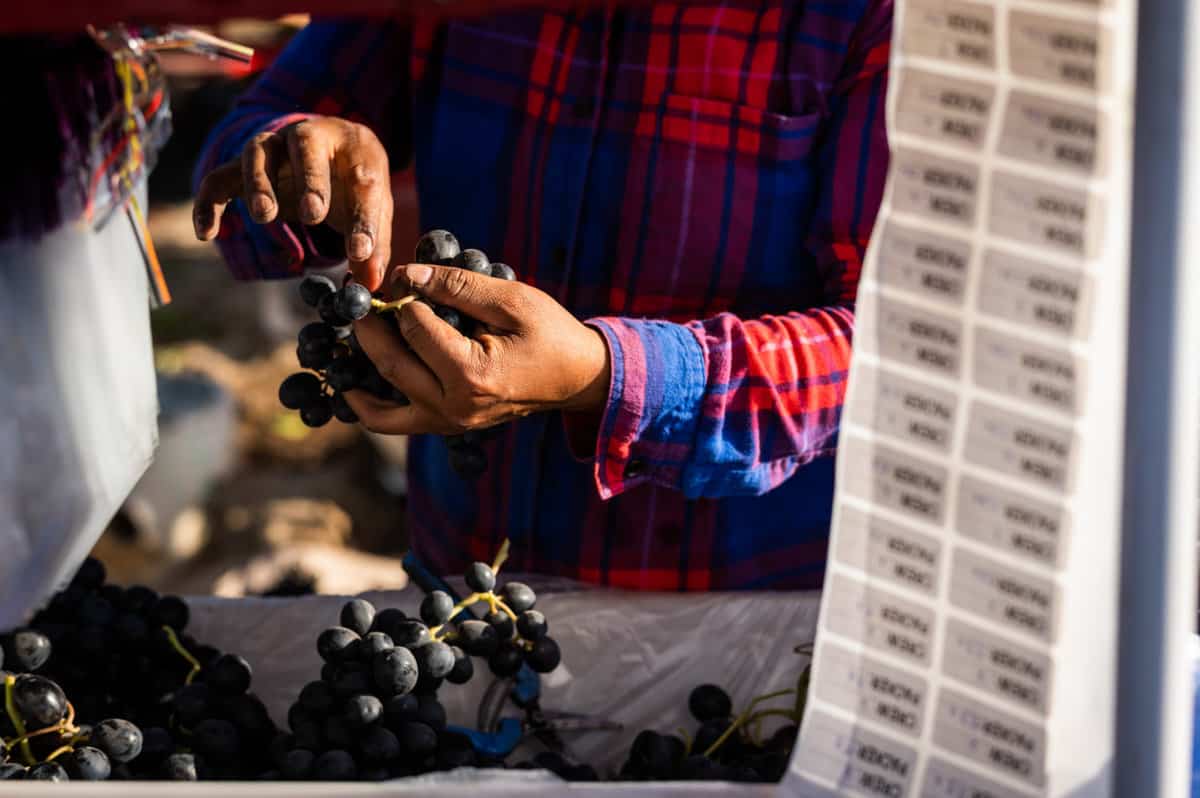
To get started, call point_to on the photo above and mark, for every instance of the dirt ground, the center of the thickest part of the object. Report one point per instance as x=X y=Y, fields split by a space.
x=309 y=507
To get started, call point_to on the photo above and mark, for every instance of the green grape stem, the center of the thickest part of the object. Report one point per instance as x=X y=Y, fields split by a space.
x=687 y=741
x=183 y=652
x=15 y=717
x=379 y=306
x=743 y=718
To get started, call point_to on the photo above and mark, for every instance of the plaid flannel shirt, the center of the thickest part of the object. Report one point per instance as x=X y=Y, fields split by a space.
x=697 y=181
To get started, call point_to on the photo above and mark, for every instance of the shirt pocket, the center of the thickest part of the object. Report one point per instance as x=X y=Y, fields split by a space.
x=715 y=211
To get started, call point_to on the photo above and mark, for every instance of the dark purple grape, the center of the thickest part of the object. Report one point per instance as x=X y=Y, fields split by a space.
x=434 y=659
x=39 y=701
x=337 y=644
x=335 y=765
x=229 y=675
x=85 y=763
x=352 y=678
x=46 y=771
x=386 y=621
x=358 y=615
x=709 y=702
x=317 y=334
x=473 y=260
x=119 y=739
x=431 y=712
x=328 y=311
x=480 y=577
x=372 y=644
x=437 y=248
x=10 y=771
x=502 y=271
x=436 y=608
x=532 y=625
x=378 y=744
x=416 y=739
x=477 y=638
x=455 y=751
x=215 y=738
x=97 y=611
x=157 y=745
x=400 y=708
x=90 y=576
x=342 y=410
x=299 y=390
x=138 y=598
x=506 y=660
x=317 y=359
x=544 y=656
x=395 y=671
x=297 y=764
x=192 y=703
x=346 y=373
x=353 y=301
x=453 y=318
x=318 y=413
x=360 y=711
x=179 y=767
x=26 y=650
x=410 y=634
x=131 y=628
x=314 y=287
x=518 y=596
x=500 y=621
x=463 y=668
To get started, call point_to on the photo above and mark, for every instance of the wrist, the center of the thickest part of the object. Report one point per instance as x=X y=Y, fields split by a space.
x=596 y=375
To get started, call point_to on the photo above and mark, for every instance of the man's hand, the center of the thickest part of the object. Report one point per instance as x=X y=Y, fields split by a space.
x=534 y=356
x=323 y=169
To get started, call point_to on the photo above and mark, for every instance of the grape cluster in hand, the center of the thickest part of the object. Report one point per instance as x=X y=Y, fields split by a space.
x=146 y=700
x=374 y=713
x=336 y=364
x=721 y=749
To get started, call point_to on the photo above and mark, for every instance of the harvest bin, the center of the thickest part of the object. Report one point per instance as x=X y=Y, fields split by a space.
x=628 y=657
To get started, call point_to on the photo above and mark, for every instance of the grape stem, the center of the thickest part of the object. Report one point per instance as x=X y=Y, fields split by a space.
x=183 y=652
x=687 y=741
x=379 y=306
x=57 y=751
x=743 y=718
x=15 y=717
x=501 y=556
x=494 y=602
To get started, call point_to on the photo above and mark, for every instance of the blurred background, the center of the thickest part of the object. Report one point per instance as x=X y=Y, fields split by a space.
x=242 y=498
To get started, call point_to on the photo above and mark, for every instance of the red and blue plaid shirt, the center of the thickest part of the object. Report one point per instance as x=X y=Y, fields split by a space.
x=697 y=180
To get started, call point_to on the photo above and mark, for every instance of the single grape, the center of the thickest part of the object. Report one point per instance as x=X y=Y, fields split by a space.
x=318 y=413
x=708 y=701
x=171 y=611
x=477 y=638
x=410 y=634
x=179 y=767
x=473 y=260
x=463 y=668
x=97 y=610
x=395 y=671
x=249 y=714
x=309 y=735
x=192 y=703
x=500 y=621
x=11 y=771
x=46 y=771
x=297 y=764
x=316 y=334
x=39 y=701
x=502 y=271
x=532 y=625
x=342 y=410
x=709 y=732
x=299 y=390
x=544 y=656
x=345 y=374
x=437 y=247
x=400 y=708
x=783 y=739
x=90 y=576
x=453 y=318
x=337 y=644
x=480 y=577
x=353 y=301
x=416 y=739
x=335 y=765
x=372 y=644
x=316 y=698
x=119 y=739
x=157 y=745
x=85 y=763
x=434 y=659
x=351 y=679
x=26 y=650
x=506 y=660
x=360 y=711
x=378 y=744
x=386 y=621
x=315 y=286
x=229 y=675
x=431 y=712
x=216 y=738
x=131 y=628
x=518 y=596
x=455 y=751
x=469 y=462
x=327 y=308
x=436 y=608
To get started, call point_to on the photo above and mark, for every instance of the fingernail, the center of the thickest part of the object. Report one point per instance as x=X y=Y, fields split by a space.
x=260 y=205
x=418 y=274
x=311 y=207
x=360 y=246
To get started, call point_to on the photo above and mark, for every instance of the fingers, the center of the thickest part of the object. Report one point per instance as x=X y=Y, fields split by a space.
x=218 y=188
x=391 y=419
x=261 y=158
x=395 y=363
x=310 y=167
x=444 y=349
x=501 y=303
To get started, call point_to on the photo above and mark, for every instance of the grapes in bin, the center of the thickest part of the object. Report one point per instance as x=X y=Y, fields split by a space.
x=336 y=364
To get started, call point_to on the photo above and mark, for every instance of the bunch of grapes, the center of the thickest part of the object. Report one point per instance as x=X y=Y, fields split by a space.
x=722 y=748
x=123 y=653
x=336 y=363
x=375 y=713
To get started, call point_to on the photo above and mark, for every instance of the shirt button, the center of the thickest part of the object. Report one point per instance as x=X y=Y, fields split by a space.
x=584 y=109
x=635 y=468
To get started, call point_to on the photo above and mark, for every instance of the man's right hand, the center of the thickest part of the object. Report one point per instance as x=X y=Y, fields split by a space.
x=322 y=169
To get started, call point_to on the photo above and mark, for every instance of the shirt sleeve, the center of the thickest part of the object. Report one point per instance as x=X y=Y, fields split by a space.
x=729 y=406
x=352 y=70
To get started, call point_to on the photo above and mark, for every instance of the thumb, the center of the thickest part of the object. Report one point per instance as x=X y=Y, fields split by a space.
x=486 y=299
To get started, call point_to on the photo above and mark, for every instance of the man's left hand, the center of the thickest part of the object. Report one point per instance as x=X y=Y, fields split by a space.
x=532 y=356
